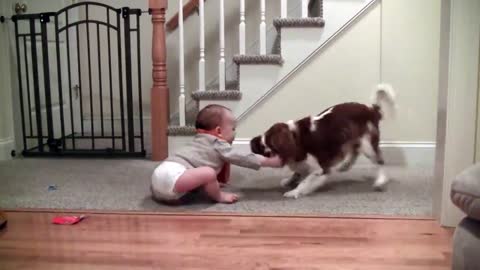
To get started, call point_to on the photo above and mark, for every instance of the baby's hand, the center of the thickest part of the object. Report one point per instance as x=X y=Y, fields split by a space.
x=273 y=162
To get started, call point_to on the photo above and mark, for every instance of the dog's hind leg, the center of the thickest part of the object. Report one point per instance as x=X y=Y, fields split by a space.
x=347 y=163
x=349 y=152
x=370 y=148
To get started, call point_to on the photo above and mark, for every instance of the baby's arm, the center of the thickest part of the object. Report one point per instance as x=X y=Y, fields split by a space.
x=273 y=162
x=248 y=160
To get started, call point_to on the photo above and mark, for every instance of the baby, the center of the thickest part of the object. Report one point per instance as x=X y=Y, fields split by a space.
x=205 y=161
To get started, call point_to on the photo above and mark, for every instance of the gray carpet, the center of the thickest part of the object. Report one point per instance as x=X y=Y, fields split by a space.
x=124 y=185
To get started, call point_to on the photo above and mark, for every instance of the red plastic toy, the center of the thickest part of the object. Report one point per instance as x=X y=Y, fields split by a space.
x=67 y=220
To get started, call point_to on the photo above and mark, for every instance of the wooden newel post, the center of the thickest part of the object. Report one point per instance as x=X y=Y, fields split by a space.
x=159 y=92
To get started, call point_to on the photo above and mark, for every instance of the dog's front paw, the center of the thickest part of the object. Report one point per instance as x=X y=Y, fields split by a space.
x=286 y=182
x=292 y=194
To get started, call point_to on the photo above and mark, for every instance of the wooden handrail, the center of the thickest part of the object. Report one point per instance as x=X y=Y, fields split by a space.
x=188 y=9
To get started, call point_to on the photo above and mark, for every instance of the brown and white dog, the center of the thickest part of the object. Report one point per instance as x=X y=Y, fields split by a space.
x=316 y=146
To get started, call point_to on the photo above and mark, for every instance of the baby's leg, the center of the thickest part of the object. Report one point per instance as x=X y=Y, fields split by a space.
x=203 y=177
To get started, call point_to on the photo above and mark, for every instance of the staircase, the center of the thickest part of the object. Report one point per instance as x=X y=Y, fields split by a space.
x=297 y=39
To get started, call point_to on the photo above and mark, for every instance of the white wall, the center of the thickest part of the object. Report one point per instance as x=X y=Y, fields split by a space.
x=393 y=41
x=410 y=57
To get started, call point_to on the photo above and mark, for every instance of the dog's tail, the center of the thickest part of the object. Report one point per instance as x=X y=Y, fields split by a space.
x=384 y=100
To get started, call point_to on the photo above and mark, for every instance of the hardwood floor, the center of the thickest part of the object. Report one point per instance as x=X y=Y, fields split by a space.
x=136 y=241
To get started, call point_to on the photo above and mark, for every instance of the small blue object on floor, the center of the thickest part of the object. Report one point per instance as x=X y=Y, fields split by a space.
x=52 y=187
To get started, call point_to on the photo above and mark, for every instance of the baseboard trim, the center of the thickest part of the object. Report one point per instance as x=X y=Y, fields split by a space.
x=398 y=153
x=6 y=147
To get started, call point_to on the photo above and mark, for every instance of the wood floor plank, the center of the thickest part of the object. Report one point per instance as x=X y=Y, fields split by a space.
x=132 y=241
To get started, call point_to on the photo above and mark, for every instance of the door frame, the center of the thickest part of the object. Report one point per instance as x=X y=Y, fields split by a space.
x=16 y=118
x=13 y=80
x=457 y=102
x=477 y=140
x=7 y=138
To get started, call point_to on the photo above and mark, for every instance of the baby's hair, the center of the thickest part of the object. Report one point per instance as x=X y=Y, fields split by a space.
x=210 y=117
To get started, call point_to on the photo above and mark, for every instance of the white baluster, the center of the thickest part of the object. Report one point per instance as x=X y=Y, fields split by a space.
x=304 y=8
x=201 y=62
x=241 y=28
x=283 y=8
x=263 y=29
x=221 y=62
x=181 y=98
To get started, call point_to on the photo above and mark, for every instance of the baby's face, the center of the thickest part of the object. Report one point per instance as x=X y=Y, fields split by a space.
x=228 y=126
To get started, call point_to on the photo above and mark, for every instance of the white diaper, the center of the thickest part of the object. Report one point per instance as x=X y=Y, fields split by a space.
x=164 y=178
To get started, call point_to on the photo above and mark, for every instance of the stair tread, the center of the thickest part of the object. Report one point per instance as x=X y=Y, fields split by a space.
x=190 y=116
x=275 y=59
x=188 y=130
x=231 y=94
x=299 y=22
x=229 y=84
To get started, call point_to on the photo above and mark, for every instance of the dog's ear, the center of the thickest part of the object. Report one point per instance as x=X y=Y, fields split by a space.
x=256 y=145
x=281 y=141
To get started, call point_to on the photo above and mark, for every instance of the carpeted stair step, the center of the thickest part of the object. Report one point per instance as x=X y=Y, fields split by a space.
x=188 y=130
x=217 y=95
x=315 y=8
x=277 y=44
x=280 y=23
x=298 y=22
x=230 y=84
x=269 y=59
x=190 y=116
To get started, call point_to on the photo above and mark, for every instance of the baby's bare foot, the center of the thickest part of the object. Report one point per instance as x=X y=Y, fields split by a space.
x=226 y=197
x=222 y=185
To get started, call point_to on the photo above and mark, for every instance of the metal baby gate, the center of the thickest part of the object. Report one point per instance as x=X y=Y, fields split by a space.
x=79 y=81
